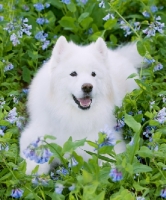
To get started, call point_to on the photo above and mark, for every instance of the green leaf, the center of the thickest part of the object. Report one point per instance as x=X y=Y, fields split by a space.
x=153 y=123
x=145 y=152
x=132 y=75
x=132 y=123
x=51 y=137
x=140 y=168
x=141 y=48
x=70 y=146
x=109 y=24
x=26 y=74
x=83 y=16
x=71 y=6
x=68 y=23
x=85 y=23
x=149 y=115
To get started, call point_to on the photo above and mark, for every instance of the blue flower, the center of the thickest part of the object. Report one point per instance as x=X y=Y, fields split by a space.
x=66 y=1
x=41 y=36
x=1 y=18
x=120 y=124
x=154 y=9
x=42 y=21
x=125 y=27
x=47 y=5
x=115 y=175
x=102 y=4
x=1 y=7
x=59 y=188
x=39 y=6
x=72 y=162
x=163 y=193
x=17 y=193
x=158 y=67
x=45 y=44
x=8 y=67
x=146 y=14
x=72 y=187
x=149 y=61
x=63 y=171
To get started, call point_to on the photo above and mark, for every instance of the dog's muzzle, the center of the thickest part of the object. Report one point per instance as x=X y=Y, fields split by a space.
x=83 y=103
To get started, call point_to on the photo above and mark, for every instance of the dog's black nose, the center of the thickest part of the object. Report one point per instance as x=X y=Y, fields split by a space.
x=87 y=87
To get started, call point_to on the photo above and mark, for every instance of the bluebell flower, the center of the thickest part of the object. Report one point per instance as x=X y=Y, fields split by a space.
x=42 y=21
x=102 y=4
x=125 y=27
x=47 y=5
x=158 y=67
x=115 y=175
x=59 y=188
x=149 y=61
x=40 y=180
x=41 y=36
x=37 y=152
x=163 y=193
x=8 y=67
x=109 y=139
x=1 y=7
x=146 y=14
x=66 y=1
x=62 y=171
x=72 y=187
x=45 y=44
x=131 y=143
x=108 y=16
x=72 y=162
x=1 y=18
x=161 y=116
x=39 y=6
x=14 y=39
x=1 y=132
x=137 y=26
x=25 y=91
x=120 y=124
x=154 y=9
x=17 y=193
x=4 y=147
x=12 y=116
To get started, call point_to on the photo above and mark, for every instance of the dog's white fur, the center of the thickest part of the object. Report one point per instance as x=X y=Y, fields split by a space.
x=51 y=106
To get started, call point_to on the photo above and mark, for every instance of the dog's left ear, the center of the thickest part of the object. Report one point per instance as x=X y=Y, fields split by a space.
x=101 y=47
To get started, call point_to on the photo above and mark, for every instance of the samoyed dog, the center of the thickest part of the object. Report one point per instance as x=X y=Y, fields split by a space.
x=74 y=94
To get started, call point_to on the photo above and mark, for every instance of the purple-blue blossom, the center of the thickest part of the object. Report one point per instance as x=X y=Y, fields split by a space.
x=62 y=171
x=66 y=1
x=163 y=193
x=1 y=7
x=1 y=18
x=8 y=67
x=72 y=162
x=17 y=193
x=47 y=5
x=39 y=7
x=115 y=175
x=158 y=67
x=161 y=116
x=125 y=27
x=42 y=20
x=14 y=39
x=146 y=14
x=41 y=36
x=37 y=152
x=154 y=9
x=102 y=4
x=120 y=124
x=149 y=61
x=59 y=188
x=45 y=44
x=108 y=16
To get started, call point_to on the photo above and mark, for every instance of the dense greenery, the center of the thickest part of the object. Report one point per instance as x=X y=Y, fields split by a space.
x=28 y=31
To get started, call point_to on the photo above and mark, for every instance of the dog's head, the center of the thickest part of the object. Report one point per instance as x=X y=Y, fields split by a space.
x=80 y=73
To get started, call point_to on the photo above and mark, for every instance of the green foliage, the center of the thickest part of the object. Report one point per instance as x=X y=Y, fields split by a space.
x=143 y=164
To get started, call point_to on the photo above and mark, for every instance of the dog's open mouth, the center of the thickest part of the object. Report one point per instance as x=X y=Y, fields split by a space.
x=83 y=103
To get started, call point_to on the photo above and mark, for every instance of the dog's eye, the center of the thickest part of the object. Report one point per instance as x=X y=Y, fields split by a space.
x=73 y=74
x=93 y=74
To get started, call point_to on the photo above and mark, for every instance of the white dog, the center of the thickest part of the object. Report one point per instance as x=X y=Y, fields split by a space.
x=75 y=92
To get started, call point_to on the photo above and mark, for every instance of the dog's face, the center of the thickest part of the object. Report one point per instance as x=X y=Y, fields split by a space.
x=79 y=74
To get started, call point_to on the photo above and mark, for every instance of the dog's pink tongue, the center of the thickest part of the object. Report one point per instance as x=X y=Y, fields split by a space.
x=85 y=102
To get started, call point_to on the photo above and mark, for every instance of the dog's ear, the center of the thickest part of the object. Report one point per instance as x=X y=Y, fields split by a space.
x=59 y=48
x=101 y=47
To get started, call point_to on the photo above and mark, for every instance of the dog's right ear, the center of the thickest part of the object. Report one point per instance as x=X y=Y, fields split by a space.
x=59 y=48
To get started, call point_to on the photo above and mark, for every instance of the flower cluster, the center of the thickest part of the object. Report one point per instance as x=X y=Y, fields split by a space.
x=149 y=132
x=66 y=1
x=115 y=175
x=158 y=67
x=39 y=6
x=154 y=27
x=64 y=171
x=17 y=193
x=42 y=37
x=8 y=67
x=20 y=29
x=120 y=124
x=37 y=152
x=42 y=21
x=108 y=16
x=109 y=139
x=40 y=180
x=161 y=116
